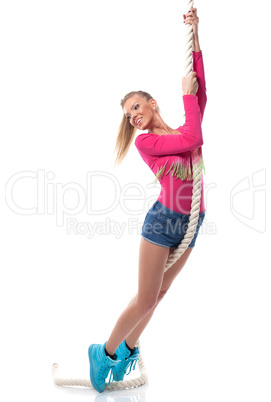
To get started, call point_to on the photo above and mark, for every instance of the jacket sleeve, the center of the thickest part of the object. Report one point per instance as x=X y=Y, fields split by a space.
x=201 y=92
x=190 y=136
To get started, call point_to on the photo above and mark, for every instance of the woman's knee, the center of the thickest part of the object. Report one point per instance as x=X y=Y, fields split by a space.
x=161 y=295
x=145 y=304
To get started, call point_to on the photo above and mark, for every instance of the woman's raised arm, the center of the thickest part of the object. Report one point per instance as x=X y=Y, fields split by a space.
x=192 y=18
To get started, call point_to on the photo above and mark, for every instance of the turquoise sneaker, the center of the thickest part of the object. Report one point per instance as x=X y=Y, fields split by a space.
x=126 y=361
x=100 y=366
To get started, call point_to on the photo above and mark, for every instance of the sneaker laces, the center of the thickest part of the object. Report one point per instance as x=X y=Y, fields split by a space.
x=103 y=374
x=111 y=375
x=131 y=365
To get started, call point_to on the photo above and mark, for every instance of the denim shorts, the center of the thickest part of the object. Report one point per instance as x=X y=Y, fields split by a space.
x=165 y=227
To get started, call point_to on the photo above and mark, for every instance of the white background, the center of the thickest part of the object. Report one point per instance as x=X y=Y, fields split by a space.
x=65 y=66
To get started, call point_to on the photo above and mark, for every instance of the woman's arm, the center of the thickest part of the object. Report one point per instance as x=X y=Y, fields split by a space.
x=192 y=18
x=196 y=46
x=190 y=134
x=201 y=92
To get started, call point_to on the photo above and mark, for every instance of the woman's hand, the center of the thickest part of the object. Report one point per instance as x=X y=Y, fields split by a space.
x=192 y=18
x=190 y=84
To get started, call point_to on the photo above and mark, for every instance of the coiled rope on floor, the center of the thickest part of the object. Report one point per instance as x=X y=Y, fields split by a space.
x=191 y=229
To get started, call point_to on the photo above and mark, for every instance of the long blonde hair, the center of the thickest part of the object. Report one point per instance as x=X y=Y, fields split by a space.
x=126 y=132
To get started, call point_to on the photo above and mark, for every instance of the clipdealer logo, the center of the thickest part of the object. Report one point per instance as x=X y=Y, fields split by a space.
x=52 y=198
x=38 y=193
x=248 y=201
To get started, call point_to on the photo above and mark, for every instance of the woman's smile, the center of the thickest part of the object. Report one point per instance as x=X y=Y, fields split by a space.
x=139 y=121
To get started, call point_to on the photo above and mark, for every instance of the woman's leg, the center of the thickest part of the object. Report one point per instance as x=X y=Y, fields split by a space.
x=152 y=260
x=168 y=278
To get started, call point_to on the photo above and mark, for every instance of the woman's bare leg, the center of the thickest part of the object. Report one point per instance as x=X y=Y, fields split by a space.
x=152 y=260
x=168 y=278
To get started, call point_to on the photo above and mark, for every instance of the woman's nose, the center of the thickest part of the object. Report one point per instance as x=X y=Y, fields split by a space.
x=134 y=118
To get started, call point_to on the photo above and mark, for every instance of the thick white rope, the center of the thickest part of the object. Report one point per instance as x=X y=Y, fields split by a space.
x=191 y=229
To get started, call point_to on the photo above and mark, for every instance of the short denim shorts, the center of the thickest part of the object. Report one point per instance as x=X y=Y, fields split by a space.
x=167 y=228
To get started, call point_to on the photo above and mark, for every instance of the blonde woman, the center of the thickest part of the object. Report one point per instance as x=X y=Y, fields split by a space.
x=171 y=154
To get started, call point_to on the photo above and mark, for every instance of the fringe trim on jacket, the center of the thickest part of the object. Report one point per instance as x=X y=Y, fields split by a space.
x=182 y=169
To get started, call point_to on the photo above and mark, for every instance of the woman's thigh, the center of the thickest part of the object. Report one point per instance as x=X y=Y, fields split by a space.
x=152 y=261
x=175 y=269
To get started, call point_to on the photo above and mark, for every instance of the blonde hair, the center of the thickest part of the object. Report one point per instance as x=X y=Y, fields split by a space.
x=126 y=132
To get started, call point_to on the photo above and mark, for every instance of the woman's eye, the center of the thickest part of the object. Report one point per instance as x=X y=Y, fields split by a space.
x=136 y=107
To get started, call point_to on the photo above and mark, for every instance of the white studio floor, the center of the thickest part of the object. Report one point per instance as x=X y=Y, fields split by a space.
x=208 y=376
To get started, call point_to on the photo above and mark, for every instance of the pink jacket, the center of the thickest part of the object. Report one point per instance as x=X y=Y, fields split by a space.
x=171 y=156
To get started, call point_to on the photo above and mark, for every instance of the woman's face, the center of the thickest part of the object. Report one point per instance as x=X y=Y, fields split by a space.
x=139 y=111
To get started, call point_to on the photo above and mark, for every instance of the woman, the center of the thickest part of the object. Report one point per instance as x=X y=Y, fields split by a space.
x=165 y=224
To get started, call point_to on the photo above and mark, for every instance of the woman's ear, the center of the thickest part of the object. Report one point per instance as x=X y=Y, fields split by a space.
x=154 y=104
